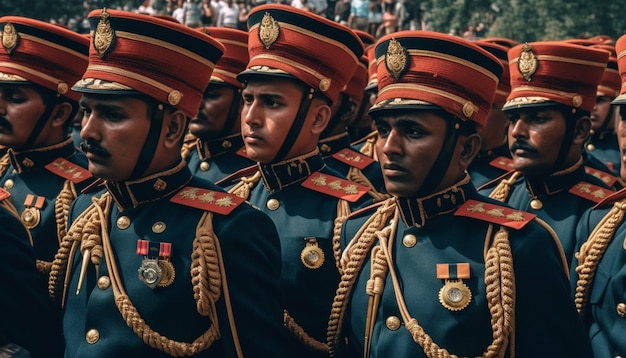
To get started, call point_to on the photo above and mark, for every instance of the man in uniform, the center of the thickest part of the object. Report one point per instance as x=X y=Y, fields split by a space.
x=42 y=169
x=599 y=269
x=439 y=270
x=362 y=130
x=553 y=90
x=299 y=63
x=159 y=263
x=214 y=150
x=27 y=313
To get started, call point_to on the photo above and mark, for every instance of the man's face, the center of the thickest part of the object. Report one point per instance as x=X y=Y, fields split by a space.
x=213 y=113
x=269 y=109
x=407 y=148
x=535 y=137
x=21 y=106
x=600 y=112
x=115 y=128
x=621 y=139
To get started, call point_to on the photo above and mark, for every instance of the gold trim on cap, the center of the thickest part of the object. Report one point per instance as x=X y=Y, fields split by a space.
x=268 y=30
x=30 y=71
x=468 y=109
x=455 y=59
x=324 y=84
x=10 y=37
x=93 y=83
x=55 y=46
x=396 y=59
x=7 y=77
x=104 y=36
x=133 y=75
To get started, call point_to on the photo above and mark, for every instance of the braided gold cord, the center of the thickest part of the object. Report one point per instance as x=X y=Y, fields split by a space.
x=62 y=207
x=369 y=148
x=301 y=334
x=205 y=270
x=5 y=162
x=245 y=185
x=352 y=261
x=343 y=210
x=187 y=148
x=593 y=249
x=501 y=192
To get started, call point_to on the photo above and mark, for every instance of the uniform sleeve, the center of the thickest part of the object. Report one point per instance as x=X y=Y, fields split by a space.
x=252 y=261
x=28 y=317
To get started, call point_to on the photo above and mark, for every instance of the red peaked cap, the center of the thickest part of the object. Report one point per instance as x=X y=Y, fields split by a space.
x=372 y=75
x=423 y=69
x=555 y=72
x=38 y=52
x=235 y=56
x=504 y=84
x=620 y=49
x=131 y=52
x=289 y=42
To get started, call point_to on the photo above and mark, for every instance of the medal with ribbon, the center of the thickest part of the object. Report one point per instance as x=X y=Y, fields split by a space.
x=312 y=255
x=156 y=268
x=31 y=216
x=454 y=295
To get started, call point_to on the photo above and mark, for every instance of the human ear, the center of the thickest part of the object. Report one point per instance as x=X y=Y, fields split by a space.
x=60 y=113
x=175 y=129
x=581 y=130
x=470 y=147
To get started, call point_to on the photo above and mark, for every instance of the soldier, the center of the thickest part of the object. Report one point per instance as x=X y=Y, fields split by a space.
x=214 y=150
x=27 y=313
x=599 y=269
x=299 y=63
x=42 y=169
x=439 y=270
x=493 y=160
x=361 y=129
x=553 y=90
x=159 y=263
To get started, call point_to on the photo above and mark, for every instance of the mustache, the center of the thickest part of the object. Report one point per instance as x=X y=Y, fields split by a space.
x=522 y=144
x=88 y=146
x=5 y=123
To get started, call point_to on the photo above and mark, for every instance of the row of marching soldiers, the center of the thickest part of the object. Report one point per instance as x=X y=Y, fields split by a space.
x=418 y=196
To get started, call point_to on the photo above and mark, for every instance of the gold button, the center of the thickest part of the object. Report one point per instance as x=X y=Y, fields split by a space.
x=273 y=204
x=158 y=227
x=621 y=309
x=591 y=147
x=325 y=148
x=226 y=144
x=9 y=184
x=204 y=166
x=393 y=323
x=104 y=282
x=536 y=204
x=92 y=336
x=123 y=222
x=409 y=240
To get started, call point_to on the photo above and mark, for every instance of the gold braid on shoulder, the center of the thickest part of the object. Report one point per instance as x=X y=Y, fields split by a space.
x=351 y=261
x=244 y=186
x=357 y=176
x=369 y=148
x=5 y=162
x=501 y=191
x=343 y=210
x=188 y=145
x=593 y=249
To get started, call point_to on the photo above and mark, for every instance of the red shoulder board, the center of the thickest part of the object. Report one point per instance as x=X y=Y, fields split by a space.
x=337 y=187
x=242 y=152
x=496 y=214
x=614 y=197
x=503 y=163
x=607 y=178
x=590 y=191
x=4 y=194
x=207 y=200
x=68 y=170
x=353 y=159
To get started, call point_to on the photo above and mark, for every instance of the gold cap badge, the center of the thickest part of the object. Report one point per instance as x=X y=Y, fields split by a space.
x=396 y=59
x=527 y=63
x=104 y=37
x=10 y=37
x=268 y=30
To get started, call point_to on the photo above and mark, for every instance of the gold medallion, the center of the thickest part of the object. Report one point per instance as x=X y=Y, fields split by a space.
x=268 y=30
x=168 y=274
x=150 y=272
x=10 y=37
x=536 y=204
x=104 y=36
x=455 y=295
x=204 y=166
x=591 y=147
x=312 y=256
x=396 y=59
x=527 y=63
x=30 y=217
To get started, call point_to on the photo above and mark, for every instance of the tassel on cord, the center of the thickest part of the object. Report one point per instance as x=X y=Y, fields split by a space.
x=244 y=186
x=501 y=192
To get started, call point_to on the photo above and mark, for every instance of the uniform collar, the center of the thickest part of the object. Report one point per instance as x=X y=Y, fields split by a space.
x=37 y=158
x=279 y=175
x=562 y=180
x=214 y=147
x=331 y=145
x=131 y=194
x=417 y=211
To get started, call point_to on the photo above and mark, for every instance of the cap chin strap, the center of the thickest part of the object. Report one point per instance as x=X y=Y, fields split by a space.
x=334 y=120
x=296 y=126
x=41 y=122
x=233 y=113
x=150 y=145
x=441 y=164
x=566 y=143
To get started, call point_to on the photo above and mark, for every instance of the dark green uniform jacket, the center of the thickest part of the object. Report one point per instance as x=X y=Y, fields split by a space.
x=235 y=276
x=438 y=250
x=28 y=318
x=482 y=171
x=604 y=147
x=216 y=159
